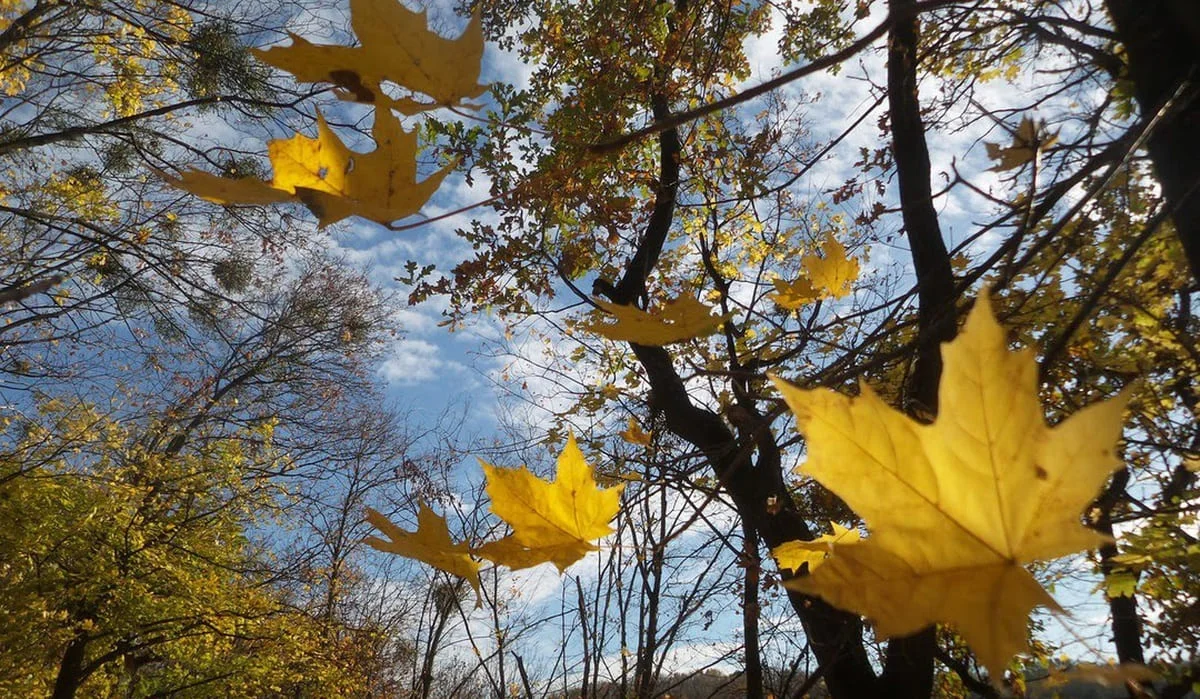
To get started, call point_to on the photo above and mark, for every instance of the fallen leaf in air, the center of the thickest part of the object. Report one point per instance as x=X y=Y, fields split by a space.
x=957 y=508
x=829 y=275
x=333 y=181
x=635 y=434
x=430 y=544
x=678 y=320
x=551 y=521
x=397 y=47
x=1029 y=138
x=792 y=555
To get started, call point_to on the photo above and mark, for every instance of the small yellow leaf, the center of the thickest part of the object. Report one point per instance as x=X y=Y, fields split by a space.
x=832 y=273
x=636 y=435
x=829 y=275
x=678 y=320
x=956 y=508
x=1029 y=139
x=430 y=544
x=397 y=46
x=792 y=555
x=551 y=521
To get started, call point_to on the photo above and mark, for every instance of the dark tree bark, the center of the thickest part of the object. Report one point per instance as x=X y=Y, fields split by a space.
x=750 y=609
x=1126 y=622
x=909 y=668
x=836 y=637
x=1162 y=43
x=71 y=672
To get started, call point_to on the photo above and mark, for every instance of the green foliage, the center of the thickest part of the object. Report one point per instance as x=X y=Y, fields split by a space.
x=131 y=571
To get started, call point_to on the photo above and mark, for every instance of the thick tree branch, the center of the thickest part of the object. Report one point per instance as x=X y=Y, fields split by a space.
x=1126 y=622
x=632 y=286
x=1162 y=42
x=909 y=668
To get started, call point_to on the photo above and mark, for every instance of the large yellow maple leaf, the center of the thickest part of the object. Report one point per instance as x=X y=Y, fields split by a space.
x=397 y=46
x=957 y=508
x=430 y=543
x=677 y=320
x=553 y=521
x=333 y=181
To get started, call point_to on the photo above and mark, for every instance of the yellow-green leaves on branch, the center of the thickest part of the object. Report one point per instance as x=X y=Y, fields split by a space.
x=430 y=543
x=678 y=320
x=829 y=275
x=333 y=181
x=551 y=521
x=956 y=509
x=1030 y=138
x=793 y=555
x=397 y=47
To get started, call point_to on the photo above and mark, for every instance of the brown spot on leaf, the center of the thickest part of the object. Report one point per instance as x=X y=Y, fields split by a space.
x=350 y=81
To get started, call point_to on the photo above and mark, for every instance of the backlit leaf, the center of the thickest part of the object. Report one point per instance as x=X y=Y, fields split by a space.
x=430 y=544
x=829 y=275
x=1029 y=138
x=957 y=508
x=553 y=521
x=397 y=46
x=333 y=181
x=678 y=320
x=792 y=555
x=635 y=434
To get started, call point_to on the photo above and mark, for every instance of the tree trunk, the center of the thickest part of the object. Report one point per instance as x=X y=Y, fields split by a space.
x=909 y=669
x=71 y=669
x=750 y=609
x=1162 y=43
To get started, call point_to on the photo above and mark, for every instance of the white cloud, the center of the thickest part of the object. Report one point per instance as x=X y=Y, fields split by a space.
x=416 y=361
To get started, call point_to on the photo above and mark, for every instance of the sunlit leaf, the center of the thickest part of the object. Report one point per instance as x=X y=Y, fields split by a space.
x=397 y=47
x=793 y=555
x=634 y=434
x=829 y=275
x=430 y=544
x=552 y=521
x=956 y=509
x=678 y=320
x=329 y=178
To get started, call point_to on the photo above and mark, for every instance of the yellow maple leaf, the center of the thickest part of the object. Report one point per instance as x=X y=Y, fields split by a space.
x=792 y=555
x=1029 y=138
x=678 y=320
x=430 y=544
x=333 y=181
x=957 y=508
x=829 y=275
x=397 y=46
x=551 y=521
x=635 y=434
